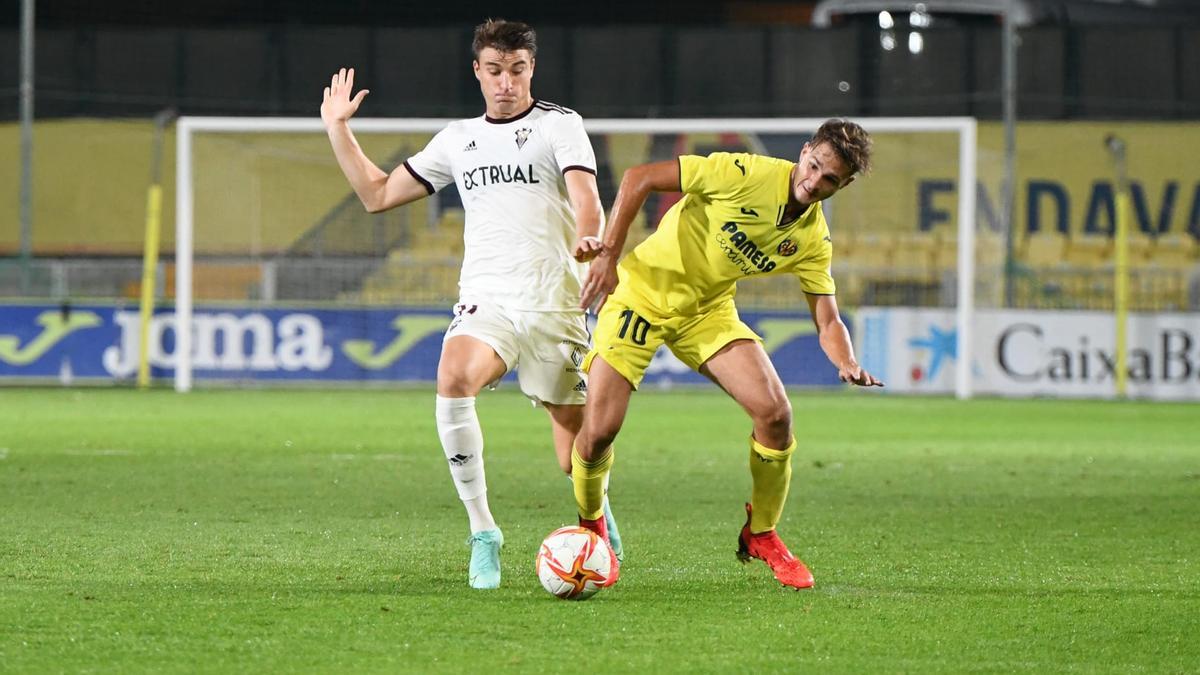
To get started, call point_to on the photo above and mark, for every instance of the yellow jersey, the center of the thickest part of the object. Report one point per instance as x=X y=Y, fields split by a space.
x=727 y=227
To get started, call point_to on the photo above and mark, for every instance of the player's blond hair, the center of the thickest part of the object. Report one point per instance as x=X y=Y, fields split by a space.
x=504 y=36
x=850 y=141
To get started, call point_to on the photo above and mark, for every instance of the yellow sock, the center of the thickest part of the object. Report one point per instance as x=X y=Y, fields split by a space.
x=771 y=471
x=589 y=479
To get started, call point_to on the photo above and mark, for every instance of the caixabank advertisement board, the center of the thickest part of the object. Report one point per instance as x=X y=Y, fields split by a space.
x=1033 y=353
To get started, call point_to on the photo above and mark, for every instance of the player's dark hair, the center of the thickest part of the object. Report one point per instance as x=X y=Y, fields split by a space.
x=504 y=36
x=850 y=141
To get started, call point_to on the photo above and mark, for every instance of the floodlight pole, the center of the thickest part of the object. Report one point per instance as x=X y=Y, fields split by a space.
x=1008 y=48
x=150 y=246
x=1116 y=149
x=26 y=190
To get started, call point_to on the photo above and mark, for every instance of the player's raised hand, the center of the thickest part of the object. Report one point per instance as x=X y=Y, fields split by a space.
x=338 y=106
x=600 y=282
x=856 y=375
x=587 y=248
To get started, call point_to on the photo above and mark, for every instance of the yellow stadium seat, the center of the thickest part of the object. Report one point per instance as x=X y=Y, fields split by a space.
x=945 y=254
x=990 y=249
x=1089 y=250
x=915 y=251
x=872 y=250
x=1141 y=248
x=1043 y=249
x=1174 y=251
x=844 y=243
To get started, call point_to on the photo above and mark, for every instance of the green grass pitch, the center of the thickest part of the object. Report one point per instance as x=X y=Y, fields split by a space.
x=318 y=531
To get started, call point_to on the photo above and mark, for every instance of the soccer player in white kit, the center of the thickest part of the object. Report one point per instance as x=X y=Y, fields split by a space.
x=526 y=173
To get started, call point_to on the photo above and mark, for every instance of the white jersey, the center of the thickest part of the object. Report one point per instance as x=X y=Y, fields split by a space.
x=520 y=227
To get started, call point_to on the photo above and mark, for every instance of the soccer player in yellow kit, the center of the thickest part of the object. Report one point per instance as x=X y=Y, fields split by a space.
x=742 y=215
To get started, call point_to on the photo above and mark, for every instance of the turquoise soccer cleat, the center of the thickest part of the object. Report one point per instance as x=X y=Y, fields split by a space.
x=485 y=558
x=614 y=535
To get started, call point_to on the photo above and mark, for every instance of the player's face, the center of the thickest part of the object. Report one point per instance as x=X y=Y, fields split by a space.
x=819 y=174
x=504 y=78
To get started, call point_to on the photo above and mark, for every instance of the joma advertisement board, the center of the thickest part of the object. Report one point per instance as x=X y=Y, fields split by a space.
x=101 y=343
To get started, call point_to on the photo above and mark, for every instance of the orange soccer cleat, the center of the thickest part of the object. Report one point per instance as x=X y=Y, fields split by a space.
x=601 y=529
x=769 y=548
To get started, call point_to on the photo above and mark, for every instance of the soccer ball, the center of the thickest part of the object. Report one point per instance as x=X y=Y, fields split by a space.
x=573 y=563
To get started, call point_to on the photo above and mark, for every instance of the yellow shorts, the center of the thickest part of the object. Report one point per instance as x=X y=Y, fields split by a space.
x=629 y=332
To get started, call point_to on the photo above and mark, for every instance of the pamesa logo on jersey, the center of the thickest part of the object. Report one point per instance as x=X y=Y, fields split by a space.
x=742 y=251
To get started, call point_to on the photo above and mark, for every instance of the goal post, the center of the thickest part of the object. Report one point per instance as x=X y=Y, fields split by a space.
x=963 y=130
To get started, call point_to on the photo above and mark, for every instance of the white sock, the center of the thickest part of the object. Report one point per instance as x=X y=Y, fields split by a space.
x=462 y=441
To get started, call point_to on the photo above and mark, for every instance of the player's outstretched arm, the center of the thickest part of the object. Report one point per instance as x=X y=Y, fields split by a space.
x=835 y=341
x=585 y=200
x=375 y=188
x=636 y=185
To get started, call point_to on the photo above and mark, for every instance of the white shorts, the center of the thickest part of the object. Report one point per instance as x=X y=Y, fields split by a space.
x=545 y=348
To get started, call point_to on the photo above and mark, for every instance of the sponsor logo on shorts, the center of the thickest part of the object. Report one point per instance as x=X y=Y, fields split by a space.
x=577 y=353
x=582 y=386
x=460 y=310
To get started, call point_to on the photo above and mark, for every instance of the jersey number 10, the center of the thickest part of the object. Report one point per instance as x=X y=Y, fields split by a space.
x=640 y=327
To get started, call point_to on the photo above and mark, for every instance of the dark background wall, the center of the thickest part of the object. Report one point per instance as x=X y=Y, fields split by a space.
x=134 y=58
x=184 y=13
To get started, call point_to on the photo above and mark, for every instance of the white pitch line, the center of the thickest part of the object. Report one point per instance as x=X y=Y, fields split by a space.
x=99 y=452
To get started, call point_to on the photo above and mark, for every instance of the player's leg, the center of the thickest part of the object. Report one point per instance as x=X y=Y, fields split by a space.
x=619 y=357
x=553 y=350
x=565 y=422
x=467 y=365
x=744 y=371
x=723 y=348
x=469 y=362
x=592 y=455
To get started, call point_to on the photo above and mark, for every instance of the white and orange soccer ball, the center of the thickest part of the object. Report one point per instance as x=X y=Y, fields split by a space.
x=574 y=563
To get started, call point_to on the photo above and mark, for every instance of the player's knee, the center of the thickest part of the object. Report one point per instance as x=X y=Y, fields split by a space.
x=453 y=388
x=593 y=439
x=775 y=420
x=455 y=380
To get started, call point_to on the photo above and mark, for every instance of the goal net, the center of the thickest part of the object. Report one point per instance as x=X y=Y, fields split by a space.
x=264 y=217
